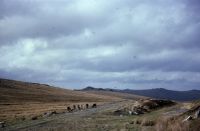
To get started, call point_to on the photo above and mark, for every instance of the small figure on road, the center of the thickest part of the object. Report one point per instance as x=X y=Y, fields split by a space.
x=94 y=105
x=87 y=106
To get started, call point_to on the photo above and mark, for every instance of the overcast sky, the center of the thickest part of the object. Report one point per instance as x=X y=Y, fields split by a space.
x=136 y=44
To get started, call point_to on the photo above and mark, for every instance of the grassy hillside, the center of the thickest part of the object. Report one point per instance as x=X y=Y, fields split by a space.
x=23 y=100
x=116 y=94
x=159 y=93
x=20 y=102
x=19 y=92
x=179 y=123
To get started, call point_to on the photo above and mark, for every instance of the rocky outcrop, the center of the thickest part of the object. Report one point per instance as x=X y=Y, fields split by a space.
x=197 y=114
x=143 y=106
x=188 y=119
x=2 y=124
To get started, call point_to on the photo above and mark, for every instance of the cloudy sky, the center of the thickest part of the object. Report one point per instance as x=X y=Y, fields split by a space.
x=136 y=44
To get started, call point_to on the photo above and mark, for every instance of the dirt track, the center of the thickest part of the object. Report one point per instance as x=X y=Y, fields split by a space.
x=59 y=118
x=93 y=119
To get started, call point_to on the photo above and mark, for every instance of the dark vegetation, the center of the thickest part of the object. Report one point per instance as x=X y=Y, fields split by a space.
x=161 y=93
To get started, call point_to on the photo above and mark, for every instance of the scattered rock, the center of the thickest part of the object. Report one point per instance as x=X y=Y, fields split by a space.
x=138 y=122
x=146 y=107
x=23 y=118
x=153 y=103
x=2 y=124
x=53 y=113
x=132 y=122
x=47 y=114
x=118 y=112
x=188 y=118
x=34 y=118
x=143 y=106
x=141 y=100
x=135 y=113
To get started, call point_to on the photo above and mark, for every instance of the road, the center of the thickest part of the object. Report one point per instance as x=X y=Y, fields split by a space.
x=59 y=118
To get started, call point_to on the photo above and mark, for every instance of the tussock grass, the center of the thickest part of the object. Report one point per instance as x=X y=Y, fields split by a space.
x=171 y=124
x=146 y=122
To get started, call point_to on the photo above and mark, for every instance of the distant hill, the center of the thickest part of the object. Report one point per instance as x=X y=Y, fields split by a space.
x=90 y=88
x=112 y=93
x=159 y=93
x=167 y=94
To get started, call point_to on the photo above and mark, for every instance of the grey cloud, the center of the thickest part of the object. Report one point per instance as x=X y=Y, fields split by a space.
x=127 y=60
x=97 y=42
x=47 y=20
x=10 y=8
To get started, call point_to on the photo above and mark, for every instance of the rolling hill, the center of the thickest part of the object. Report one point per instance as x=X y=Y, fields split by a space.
x=12 y=91
x=162 y=93
x=23 y=100
x=159 y=93
x=25 y=105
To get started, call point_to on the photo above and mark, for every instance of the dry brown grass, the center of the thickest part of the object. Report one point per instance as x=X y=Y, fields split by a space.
x=171 y=124
x=146 y=122
x=25 y=111
x=19 y=92
x=22 y=100
x=117 y=95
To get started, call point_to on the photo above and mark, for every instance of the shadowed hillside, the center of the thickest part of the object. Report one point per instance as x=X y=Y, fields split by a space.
x=159 y=93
